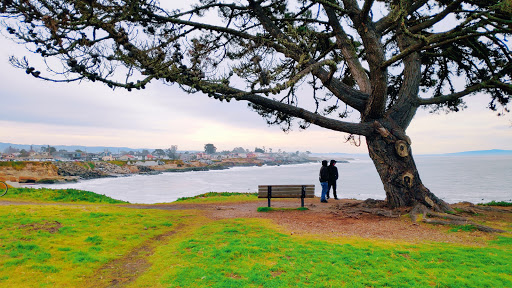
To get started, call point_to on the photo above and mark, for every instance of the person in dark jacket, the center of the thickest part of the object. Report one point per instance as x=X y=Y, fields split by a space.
x=333 y=176
x=324 y=180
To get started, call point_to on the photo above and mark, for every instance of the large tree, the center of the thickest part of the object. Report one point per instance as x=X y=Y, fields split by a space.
x=210 y=148
x=312 y=61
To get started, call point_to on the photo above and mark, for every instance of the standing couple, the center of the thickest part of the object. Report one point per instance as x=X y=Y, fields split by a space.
x=328 y=177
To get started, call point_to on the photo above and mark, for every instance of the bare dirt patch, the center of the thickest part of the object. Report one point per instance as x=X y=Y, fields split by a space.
x=48 y=226
x=122 y=271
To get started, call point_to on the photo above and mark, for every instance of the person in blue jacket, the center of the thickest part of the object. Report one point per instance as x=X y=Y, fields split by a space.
x=324 y=180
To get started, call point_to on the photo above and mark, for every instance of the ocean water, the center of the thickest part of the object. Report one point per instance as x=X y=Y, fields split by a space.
x=475 y=179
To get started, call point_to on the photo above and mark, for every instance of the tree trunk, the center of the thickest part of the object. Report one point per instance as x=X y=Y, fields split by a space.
x=394 y=162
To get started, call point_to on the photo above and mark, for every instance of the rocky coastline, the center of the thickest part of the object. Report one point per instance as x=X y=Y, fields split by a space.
x=59 y=172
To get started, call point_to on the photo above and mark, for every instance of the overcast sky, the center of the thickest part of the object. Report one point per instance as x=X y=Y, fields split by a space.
x=38 y=112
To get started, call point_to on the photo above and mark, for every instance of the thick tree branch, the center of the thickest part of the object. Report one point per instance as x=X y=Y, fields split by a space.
x=348 y=51
x=455 y=96
x=434 y=41
x=367 y=6
x=437 y=18
x=404 y=109
x=375 y=55
x=222 y=91
x=331 y=4
x=390 y=20
x=363 y=129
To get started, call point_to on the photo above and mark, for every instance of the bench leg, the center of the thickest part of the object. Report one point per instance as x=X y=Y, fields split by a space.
x=269 y=194
x=303 y=195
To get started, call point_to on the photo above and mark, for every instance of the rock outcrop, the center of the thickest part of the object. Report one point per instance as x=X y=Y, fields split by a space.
x=88 y=170
x=52 y=172
x=30 y=172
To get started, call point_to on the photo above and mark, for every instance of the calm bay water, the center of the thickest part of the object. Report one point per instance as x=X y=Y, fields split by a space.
x=475 y=179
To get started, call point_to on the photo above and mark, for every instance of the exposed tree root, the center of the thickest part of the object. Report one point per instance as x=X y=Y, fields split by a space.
x=446 y=219
x=419 y=213
x=369 y=206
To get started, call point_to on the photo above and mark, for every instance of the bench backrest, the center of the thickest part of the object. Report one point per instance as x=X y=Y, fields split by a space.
x=286 y=191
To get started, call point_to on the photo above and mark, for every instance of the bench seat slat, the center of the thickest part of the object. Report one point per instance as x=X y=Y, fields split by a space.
x=286 y=191
x=286 y=196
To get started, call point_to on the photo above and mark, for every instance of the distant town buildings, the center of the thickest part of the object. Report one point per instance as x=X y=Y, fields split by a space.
x=50 y=154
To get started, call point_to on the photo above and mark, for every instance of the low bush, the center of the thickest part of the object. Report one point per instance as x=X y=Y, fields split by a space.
x=216 y=194
x=494 y=203
x=59 y=195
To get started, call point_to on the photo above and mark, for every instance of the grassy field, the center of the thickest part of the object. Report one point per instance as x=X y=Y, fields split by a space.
x=72 y=240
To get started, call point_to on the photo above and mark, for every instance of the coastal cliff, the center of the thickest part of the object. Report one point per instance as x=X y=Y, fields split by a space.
x=29 y=172
x=54 y=172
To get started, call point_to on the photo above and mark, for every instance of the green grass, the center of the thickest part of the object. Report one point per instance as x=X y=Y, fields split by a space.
x=251 y=253
x=90 y=165
x=61 y=246
x=219 y=197
x=17 y=165
x=500 y=203
x=463 y=228
x=58 y=195
x=119 y=163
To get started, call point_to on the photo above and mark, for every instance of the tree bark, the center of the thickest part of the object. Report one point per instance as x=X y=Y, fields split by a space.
x=395 y=165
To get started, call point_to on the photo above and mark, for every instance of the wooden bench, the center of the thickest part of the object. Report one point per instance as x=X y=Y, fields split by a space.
x=286 y=191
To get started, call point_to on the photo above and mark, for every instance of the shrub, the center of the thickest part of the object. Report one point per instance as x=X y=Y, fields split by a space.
x=215 y=194
x=463 y=228
x=494 y=203
x=61 y=195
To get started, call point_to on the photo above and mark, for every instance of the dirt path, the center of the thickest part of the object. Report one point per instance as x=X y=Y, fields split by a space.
x=122 y=271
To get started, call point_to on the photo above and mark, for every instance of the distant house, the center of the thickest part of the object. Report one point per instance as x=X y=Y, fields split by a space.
x=186 y=157
x=203 y=156
x=148 y=163
x=150 y=157
x=220 y=157
x=251 y=155
x=9 y=157
x=42 y=158
x=107 y=158
x=79 y=155
x=92 y=156
x=32 y=153
x=127 y=158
